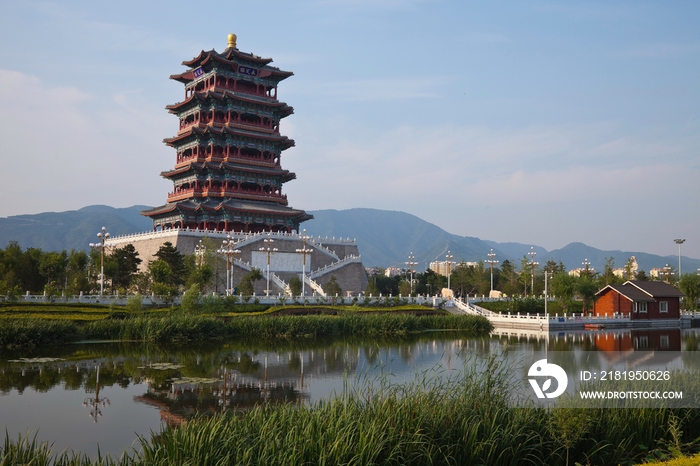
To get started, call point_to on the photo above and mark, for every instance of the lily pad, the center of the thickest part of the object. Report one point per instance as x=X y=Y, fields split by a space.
x=194 y=380
x=163 y=366
x=35 y=360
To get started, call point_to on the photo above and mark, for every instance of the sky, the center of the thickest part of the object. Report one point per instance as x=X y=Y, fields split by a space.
x=538 y=122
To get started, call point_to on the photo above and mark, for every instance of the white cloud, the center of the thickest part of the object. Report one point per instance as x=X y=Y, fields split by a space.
x=461 y=177
x=63 y=148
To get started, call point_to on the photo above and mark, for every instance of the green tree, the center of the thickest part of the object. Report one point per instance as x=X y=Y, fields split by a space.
x=430 y=283
x=587 y=289
x=160 y=271
x=404 y=287
x=247 y=283
x=190 y=300
x=507 y=279
x=526 y=271
x=53 y=268
x=690 y=286
x=295 y=286
x=199 y=272
x=77 y=272
x=608 y=276
x=372 y=288
x=554 y=268
x=332 y=288
x=175 y=260
x=462 y=280
x=125 y=265
x=564 y=289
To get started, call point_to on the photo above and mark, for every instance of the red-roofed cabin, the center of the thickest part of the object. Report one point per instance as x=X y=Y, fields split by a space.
x=639 y=300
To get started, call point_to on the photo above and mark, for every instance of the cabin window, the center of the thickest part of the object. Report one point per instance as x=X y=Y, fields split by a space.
x=664 y=342
x=641 y=342
x=663 y=306
x=642 y=307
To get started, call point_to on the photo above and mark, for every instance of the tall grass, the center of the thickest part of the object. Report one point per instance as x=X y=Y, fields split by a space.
x=183 y=327
x=466 y=420
x=33 y=333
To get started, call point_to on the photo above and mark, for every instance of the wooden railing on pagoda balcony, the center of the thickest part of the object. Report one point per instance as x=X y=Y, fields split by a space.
x=189 y=193
x=218 y=123
x=222 y=158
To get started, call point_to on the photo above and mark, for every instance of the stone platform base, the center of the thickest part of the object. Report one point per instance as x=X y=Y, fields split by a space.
x=329 y=257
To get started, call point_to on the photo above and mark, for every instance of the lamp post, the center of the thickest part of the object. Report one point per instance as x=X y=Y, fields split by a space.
x=666 y=271
x=545 y=289
x=96 y=404
x=410 y=265
x=491 y=262
x=269 y=250
x=449 y=268
x=679 y=242
x=587 y=267
x=102 y=235
x=199 y=251
x=228 y=250
x=533 y=264
x=304 y=252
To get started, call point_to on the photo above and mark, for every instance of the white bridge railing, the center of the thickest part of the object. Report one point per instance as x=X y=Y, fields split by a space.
x=335 y=265
x=314 y=286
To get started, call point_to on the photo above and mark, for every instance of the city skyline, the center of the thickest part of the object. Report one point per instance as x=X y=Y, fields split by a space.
x=539 y=122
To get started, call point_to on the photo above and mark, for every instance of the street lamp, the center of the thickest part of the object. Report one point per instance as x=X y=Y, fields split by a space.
x=666 y=271
x=304 y=252
x=96 y=404
x=410 y=265
x=551 y=274
x=491 y=262
x=587 y=267
x=449 y=268
x=199 y=251
x=228 y=249
x=679 y=242
x=533 y=264
x=269 y=250
x=102 y=235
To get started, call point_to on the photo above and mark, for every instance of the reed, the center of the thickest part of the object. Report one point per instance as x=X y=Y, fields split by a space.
x=184 y=327
x=34 y=333
x=466 y=419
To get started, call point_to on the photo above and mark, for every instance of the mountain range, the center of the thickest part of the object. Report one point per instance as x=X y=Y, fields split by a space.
x=384 y=238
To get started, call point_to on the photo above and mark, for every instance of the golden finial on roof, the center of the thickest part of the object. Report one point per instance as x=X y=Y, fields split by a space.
x=232 y=40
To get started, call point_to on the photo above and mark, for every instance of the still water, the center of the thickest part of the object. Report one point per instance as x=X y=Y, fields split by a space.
x=104 y=395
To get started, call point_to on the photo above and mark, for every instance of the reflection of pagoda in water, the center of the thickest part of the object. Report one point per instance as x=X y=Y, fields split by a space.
x=245 y=380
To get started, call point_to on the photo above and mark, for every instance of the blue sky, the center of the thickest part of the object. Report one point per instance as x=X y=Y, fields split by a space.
x=535 y=122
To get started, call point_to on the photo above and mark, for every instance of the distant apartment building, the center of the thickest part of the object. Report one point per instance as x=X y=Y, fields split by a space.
x=621 y=272
x=442 y=267
x=661 y=273
x=393 y=271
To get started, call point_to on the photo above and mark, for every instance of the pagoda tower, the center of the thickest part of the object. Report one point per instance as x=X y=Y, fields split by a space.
x=227 y=175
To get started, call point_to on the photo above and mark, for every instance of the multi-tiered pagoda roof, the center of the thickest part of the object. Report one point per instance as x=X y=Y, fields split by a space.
x=227 y=175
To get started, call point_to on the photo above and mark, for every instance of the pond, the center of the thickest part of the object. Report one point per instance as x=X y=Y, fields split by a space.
x=104 y=395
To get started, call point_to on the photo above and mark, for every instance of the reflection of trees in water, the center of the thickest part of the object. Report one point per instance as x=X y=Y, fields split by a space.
x=124 y=364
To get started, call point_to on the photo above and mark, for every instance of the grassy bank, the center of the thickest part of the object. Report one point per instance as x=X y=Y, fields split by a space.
x=466 y=420
x=182 y=327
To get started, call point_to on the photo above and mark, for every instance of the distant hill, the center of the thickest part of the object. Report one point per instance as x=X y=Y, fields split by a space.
x=384 y=238
x=73 y=229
